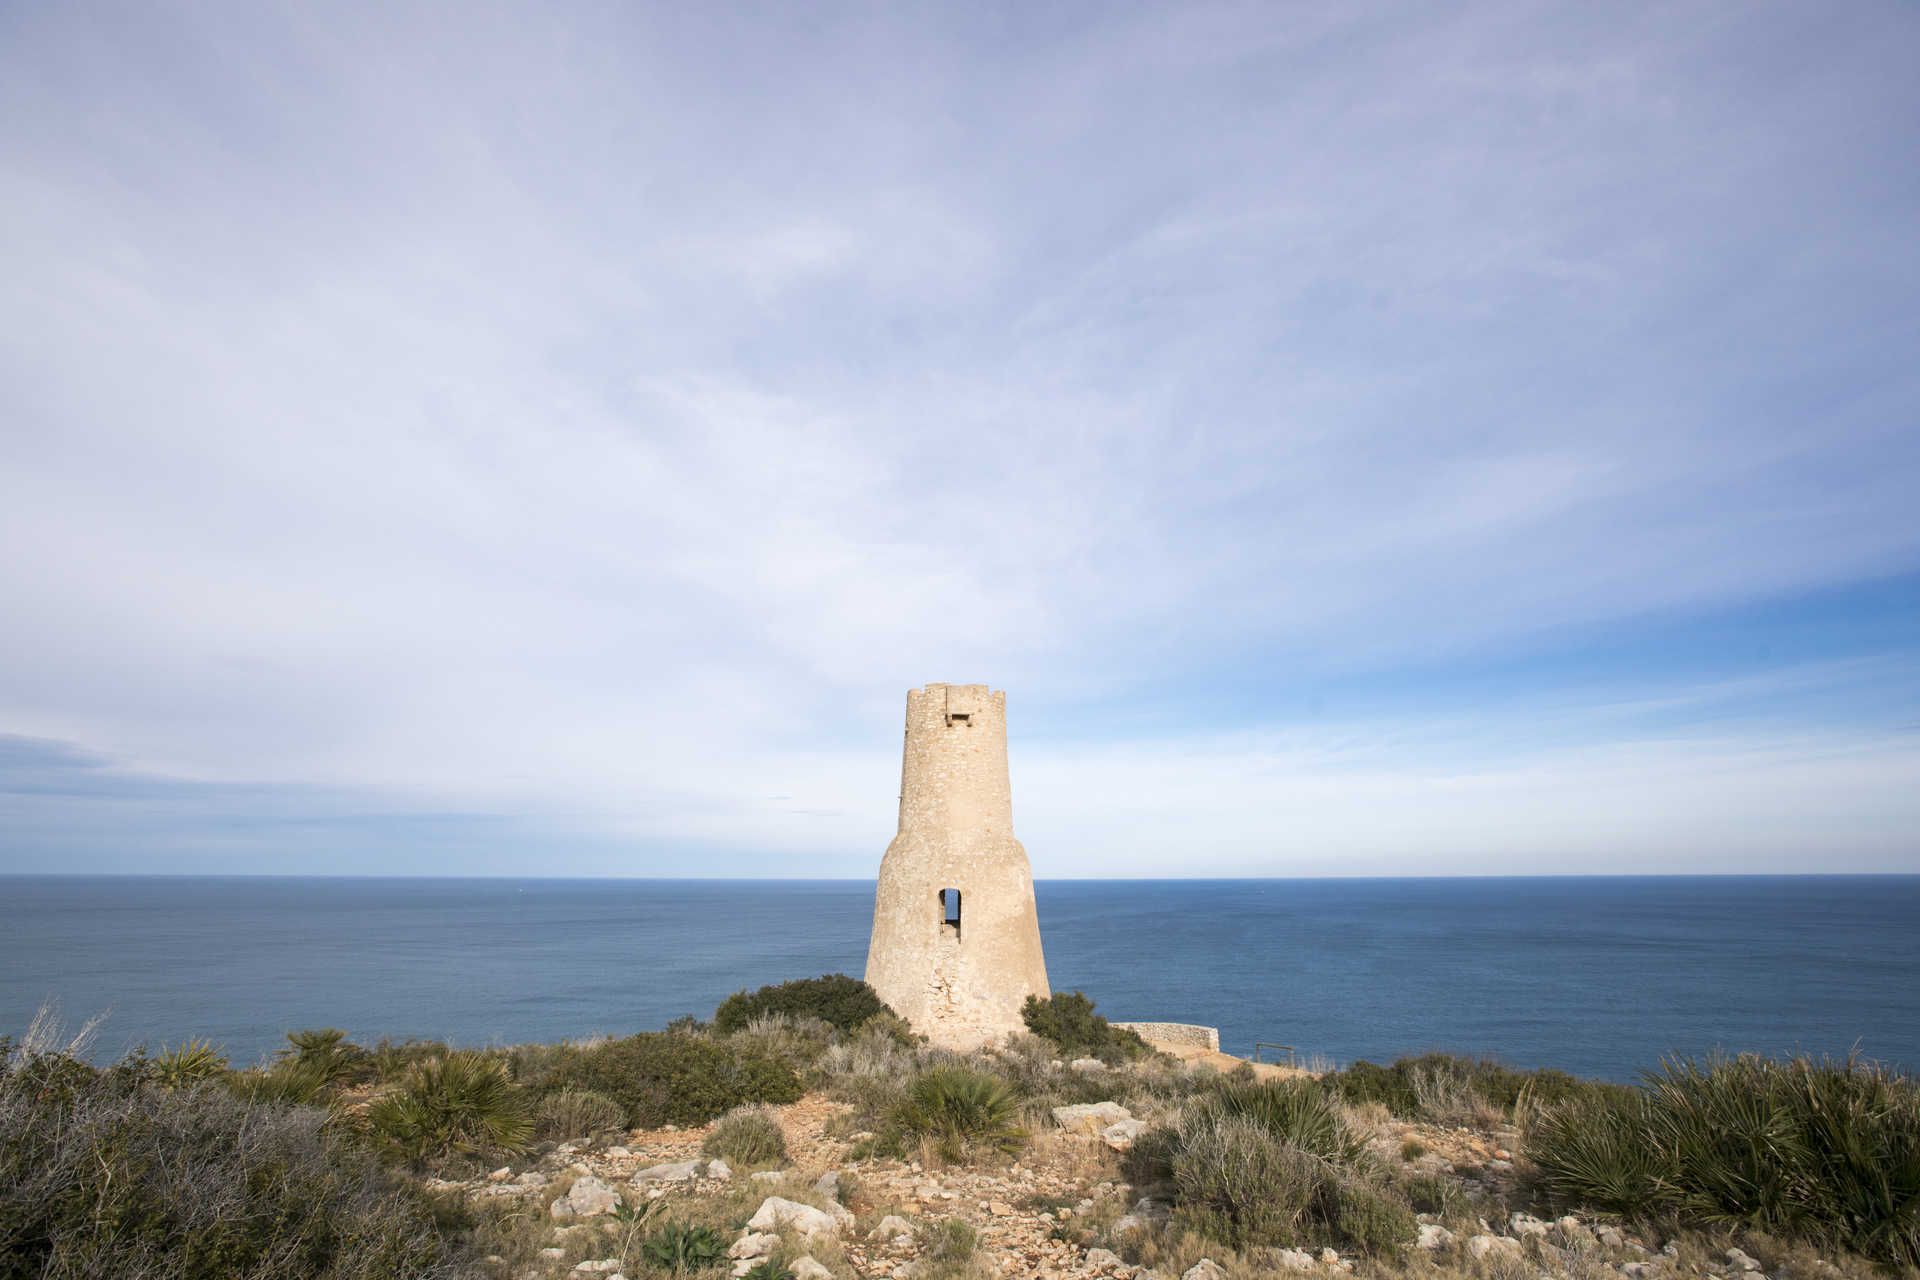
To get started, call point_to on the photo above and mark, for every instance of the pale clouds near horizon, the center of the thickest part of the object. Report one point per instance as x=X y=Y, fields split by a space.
x=594 y=419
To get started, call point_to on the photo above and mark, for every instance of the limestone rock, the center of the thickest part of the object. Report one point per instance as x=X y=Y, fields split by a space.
x=893 y=1229
x=1434 y=1236
x=587 y=1198
x=719 y=1169
x=681 y=1171
x=1522 y=1225
x=1121 y=1134
x=753 y=1245
x=828 y=1184
x=1205 y=1269
x=603 y=1266
x=1087 y=1064
x=775 y=1213
x=1481 y=1246
x=1090 y=1117
x=1293 y=1260
x=1742 y=1259
x=805 y=1268
x=768 y=1175
x=1104 y=1261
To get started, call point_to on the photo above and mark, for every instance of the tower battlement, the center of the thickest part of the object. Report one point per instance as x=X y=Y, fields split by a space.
x=956 y=939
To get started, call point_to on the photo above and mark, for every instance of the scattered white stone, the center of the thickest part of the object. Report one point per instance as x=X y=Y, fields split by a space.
x=893 y=1228
x=680 y=1171
x=532 y=1178
x=753 y=1245
x=1434 y=1236
x=619 y=1153
x=1104 y=1260
x=587 y=1198
x=1120 y=1135
x=1610 y=1236
x=768 y=1175
x=1523 y=1225
x=553 y=1253
x=1482 y=1245
x=605 y=1266
x=719 y=1169
x=775 y=1213
x=1205 y=1269
x=1090 y=1117
x=501 y=1174
x=1330 y=1257
x=1087 y=1064
x=805 y=1268
x=1742 y=1259
x=828 y=1184
x=1294 y=1260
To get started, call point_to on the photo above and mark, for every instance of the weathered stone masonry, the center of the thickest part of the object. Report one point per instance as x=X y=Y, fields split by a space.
x=956 y=940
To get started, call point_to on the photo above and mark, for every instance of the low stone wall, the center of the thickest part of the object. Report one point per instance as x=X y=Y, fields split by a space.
x=1176 y=1035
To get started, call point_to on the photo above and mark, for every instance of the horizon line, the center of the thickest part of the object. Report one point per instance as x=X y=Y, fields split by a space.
x=1561 y=875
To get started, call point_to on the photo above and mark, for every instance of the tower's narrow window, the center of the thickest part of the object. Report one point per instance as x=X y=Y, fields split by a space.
x=960 y=717
x=950 y=909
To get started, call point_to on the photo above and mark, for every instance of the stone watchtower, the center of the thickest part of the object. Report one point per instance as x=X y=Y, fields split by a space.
x=956 y=941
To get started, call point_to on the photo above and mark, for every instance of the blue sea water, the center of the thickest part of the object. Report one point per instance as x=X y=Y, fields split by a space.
x=1600 y=976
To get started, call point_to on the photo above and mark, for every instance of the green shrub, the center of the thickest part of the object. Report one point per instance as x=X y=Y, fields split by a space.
x=798 y=1042
x=835 y=999
x=1367 y=1215
x=963 y=1111
x=774 y=1268
x=106 y=1176
x=1823 y=1151
x=747 y=1135
x=1068 y=1022
x=1235 y=1182
x=1298 y=1112
x=1412 y=1149
x=1434 y=1193
x=1258 y=1165
x=1445 y=1087
x=947 y=1242
x=288 y=1082
x=680 y=1249
x=1365 y=1082
x=666 y=1078
x=194 y=1062
x=389 y=1060
x=1149 y=1161
x=577 y=1113
x=462 y=1104
x=327 y=1052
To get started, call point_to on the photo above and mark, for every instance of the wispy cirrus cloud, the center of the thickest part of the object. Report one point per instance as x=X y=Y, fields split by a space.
x=596 y=419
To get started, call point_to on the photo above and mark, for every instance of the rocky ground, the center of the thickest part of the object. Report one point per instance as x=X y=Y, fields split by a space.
x=1059 y=1212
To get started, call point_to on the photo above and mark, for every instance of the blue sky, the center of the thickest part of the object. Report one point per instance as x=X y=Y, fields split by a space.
x=1362 y=440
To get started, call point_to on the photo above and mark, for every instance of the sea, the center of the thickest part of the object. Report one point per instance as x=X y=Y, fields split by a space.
x=1600 y=976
